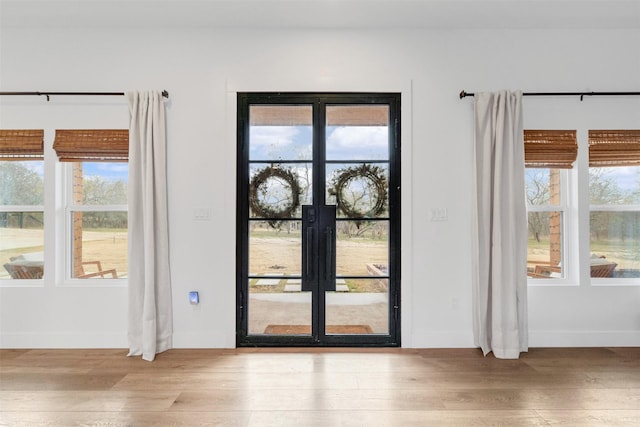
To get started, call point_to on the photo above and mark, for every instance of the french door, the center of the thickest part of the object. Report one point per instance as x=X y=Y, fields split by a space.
x=318 y=219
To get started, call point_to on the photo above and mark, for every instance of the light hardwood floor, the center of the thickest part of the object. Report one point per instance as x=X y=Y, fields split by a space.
x=320 y=387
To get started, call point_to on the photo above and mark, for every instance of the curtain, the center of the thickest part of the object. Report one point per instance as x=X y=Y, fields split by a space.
x=150 y=311
x=500 y=227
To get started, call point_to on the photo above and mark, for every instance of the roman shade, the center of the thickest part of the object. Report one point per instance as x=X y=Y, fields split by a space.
x=95 y=145
x=22 y=144
x=614 y=148
x=550 y=148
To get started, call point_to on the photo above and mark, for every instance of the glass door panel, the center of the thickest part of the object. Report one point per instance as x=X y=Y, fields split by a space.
x=357 y=172
x=362 y=248
x=357 y=132
x=280 y=170
x=361 y=308
x=280 y=132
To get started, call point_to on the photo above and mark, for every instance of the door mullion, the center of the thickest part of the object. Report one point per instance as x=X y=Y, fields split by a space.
x=319 y=133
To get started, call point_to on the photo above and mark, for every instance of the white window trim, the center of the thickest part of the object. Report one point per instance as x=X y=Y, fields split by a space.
x=65 y=223
x=569 y=257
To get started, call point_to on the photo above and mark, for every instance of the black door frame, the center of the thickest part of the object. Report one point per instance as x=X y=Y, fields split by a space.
x=319 y=102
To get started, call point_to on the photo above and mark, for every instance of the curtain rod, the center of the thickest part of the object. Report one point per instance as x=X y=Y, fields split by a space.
x=48 y=94
x=464 y=94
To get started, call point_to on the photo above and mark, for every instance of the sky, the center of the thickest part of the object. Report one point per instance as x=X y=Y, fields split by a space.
x=295 y=143
x=110 y=171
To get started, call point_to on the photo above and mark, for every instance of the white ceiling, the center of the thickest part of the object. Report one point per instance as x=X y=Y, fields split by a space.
x=450 y=14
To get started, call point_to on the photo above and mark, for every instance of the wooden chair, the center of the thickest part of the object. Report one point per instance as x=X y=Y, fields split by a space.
x=597 y=270
x=546 y=271
x=99 y=273
x=22 y=271
x=603 y=270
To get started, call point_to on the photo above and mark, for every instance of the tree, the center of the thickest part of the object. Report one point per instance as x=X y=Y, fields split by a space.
x=537 y=193
x=100 y=191
x=604 y=190
x=20 y=185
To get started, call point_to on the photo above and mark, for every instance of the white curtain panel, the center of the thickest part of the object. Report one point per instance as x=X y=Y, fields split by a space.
x=150 y=312
x=500 y=227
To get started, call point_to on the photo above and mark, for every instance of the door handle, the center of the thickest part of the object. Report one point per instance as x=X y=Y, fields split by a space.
x=328 y=270
x=308 y=253
x=309 y=249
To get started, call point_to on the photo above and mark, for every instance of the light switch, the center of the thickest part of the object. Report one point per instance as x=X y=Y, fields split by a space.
x=202 y=214
x=439 y=214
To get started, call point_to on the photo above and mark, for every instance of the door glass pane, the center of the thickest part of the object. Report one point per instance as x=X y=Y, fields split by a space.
x=357 y=132
x=280 y=132
x=358 y=307
x=279 y=308
x=21 y=245
x=362 y=248
x=358 y=190
x=275 y=251
x=277 y=191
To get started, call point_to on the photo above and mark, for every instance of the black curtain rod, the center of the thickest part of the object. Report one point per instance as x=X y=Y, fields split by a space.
x=48 y=94
x=464 y=94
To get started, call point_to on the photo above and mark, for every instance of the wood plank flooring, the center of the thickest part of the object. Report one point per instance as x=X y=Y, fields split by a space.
x=320 y=387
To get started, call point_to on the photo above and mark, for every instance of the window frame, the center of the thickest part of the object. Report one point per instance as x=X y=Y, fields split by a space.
x=11 y=282
x=608 y=281
x=568 y=252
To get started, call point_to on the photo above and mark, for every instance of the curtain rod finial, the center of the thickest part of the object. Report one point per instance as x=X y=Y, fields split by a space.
x=165 y=94
x=462 y=94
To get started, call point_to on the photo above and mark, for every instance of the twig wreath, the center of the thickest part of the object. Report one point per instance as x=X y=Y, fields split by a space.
x=259 y=191
x=375 y=175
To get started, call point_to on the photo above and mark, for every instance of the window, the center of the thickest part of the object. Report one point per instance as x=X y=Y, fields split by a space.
x=614 y=190
x=96 y=173
x=548 y=155
x=21 y=204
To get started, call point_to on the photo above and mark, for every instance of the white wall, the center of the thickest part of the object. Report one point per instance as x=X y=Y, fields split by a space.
x=201 y=69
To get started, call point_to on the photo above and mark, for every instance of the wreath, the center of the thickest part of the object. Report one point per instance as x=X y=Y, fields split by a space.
x=375 y=175
x=258 y=192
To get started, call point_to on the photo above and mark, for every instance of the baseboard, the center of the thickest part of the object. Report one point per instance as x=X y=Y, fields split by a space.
x=203 y=339
x=464 y=339
x=584 y=339
x=68 y=340
x=208 y=339
x=443 y=339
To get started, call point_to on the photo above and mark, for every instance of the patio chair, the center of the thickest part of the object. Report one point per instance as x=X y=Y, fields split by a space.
x=99 y=273
x=603 y=270
x=23 y=271
x=598 y=269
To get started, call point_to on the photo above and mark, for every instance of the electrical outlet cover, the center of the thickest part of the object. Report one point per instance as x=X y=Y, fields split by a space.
x=194 y=298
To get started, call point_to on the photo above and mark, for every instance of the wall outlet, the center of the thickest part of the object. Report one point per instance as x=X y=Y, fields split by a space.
x=194 y=298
